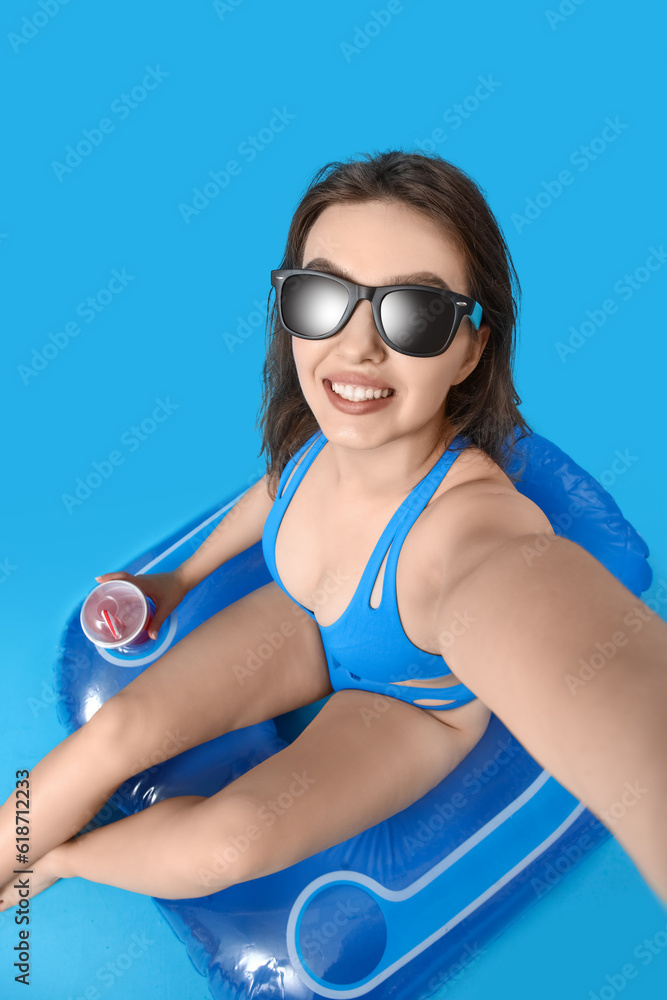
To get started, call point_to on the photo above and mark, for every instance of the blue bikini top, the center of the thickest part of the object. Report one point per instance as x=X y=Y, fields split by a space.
x=366 y=646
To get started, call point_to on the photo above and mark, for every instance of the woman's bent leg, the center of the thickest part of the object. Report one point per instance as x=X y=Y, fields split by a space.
x=257 y=658
x=361 y=760
x=67 y=788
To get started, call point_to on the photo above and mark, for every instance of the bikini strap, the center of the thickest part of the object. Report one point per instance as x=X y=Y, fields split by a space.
x=303 y=468
x=394 y=534
x=455 y=692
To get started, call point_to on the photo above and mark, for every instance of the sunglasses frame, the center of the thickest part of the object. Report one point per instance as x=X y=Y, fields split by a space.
x=463 y=305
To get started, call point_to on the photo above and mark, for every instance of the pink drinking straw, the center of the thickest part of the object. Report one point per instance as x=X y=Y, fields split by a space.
x=111 y=624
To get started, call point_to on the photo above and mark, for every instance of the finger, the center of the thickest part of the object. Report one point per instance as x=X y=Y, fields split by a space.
x=155 y=623
x=120 y=575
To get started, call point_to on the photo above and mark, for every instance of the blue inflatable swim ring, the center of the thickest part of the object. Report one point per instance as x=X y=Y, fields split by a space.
x=385 y=913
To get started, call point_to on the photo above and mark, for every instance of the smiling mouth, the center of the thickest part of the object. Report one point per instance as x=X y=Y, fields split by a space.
x=359 y=393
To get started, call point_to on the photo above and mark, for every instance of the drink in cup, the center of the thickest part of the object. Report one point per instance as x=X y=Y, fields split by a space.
x=116 y=615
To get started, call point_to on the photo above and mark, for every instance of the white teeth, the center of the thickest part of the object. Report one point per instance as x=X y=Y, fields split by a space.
x=356 y=393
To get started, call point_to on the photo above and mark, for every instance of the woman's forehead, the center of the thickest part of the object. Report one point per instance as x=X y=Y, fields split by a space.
x=373 y=241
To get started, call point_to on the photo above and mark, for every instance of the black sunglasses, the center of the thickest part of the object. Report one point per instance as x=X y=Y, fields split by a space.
x=417 y=320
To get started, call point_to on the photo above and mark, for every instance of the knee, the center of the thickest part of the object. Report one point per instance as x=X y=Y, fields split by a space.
x=118 y=731
x=229 y=848
x=110 y=721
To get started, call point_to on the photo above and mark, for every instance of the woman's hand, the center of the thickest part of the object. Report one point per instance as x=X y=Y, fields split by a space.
x=166 y=590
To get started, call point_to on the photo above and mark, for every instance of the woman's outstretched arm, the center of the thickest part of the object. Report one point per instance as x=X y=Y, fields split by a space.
x=576 y=667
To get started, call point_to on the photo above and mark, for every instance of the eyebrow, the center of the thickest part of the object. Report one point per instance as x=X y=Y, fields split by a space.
x=417 y=278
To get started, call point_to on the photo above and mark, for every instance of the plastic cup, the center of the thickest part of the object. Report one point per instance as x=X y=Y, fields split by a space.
x=116 y=615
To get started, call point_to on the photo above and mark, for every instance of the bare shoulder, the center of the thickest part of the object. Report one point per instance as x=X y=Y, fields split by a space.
x=480 y=510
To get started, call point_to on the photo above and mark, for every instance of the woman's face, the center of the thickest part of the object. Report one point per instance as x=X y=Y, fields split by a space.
x=373 y=242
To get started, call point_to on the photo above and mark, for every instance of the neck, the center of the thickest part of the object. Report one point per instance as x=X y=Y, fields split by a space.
x=366 y=474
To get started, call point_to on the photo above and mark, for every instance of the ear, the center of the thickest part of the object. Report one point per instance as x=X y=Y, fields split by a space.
x=475 y=350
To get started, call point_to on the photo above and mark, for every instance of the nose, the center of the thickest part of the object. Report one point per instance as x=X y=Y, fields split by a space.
x=360 y=332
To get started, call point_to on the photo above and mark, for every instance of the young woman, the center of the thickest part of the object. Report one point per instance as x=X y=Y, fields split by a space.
x=398 y=546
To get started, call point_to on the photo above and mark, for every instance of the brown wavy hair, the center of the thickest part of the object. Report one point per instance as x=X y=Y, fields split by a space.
x=484 y=407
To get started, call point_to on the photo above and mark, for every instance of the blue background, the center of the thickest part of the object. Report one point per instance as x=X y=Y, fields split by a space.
x=173 y=334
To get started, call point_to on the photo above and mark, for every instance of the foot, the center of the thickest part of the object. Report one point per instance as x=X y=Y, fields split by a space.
x=45 y=872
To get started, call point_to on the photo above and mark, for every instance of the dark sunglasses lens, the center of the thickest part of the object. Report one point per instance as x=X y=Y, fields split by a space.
x=312 y=305
x=417 y=321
